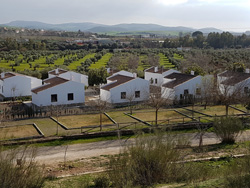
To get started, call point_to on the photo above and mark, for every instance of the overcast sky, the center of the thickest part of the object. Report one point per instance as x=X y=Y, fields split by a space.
x=231 y=15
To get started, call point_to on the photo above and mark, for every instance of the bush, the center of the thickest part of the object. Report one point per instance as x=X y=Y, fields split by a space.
x=26 y=174
x=149 y=161
x=102 y=182
x=227 y=129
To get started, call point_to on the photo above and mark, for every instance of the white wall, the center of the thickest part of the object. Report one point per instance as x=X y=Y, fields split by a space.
x=35 y=82
x=159 y=77
x=130 y=87
x=105 y=95
x=43 y=98
x=70 y=75
x=17 y=86
x=236 y=89
x=191 y=85
x=74 y=76
x=1 y=87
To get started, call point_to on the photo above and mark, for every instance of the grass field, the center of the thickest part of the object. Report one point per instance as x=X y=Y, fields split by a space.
x=142 y=65
x=17 y=132
x=75 y=64
x=177 y=56
x=216 y=110
x=170 y=115
x=42 y=63
x=164 y=61
x=102 y=62
x=83 y=120
x=120 y=117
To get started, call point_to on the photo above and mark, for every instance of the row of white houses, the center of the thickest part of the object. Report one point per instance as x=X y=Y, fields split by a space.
x=126 y=87
x=67 y=87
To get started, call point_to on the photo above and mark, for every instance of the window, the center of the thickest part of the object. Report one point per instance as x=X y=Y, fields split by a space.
x=151 y=80
x=186 y=92
x=54 y=98
x=70 y=96
x=137 y=94
x=156 y=81
x=198 y=91
x=123 y=95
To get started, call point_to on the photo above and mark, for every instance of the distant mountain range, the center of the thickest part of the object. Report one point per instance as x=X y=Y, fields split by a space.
x=101 y=28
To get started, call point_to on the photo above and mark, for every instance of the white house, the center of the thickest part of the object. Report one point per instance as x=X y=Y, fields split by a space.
x=69 y=75
x=178 y=86
x=155 y=75
x=121 y=89
x=16 y=85
x=58 y=91
x=234 y=82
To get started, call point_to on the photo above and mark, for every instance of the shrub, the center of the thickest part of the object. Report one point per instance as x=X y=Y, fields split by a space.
x=227 y=129
x=149 y=161
x=101 y=182
x=26 y=174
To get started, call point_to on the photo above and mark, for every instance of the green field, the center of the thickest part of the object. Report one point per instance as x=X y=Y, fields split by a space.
x=102 y=62
x=164 y=61
x=17 y=132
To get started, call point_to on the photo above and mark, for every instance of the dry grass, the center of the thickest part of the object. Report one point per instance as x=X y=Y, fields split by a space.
x=162 y=115
x=17 y=132
x=83 y=120
x=120 y=117
x=216 y=110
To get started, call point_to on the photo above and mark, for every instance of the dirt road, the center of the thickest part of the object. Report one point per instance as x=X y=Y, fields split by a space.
x=52 y=155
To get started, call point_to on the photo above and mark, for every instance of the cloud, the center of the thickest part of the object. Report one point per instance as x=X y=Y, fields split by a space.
x=172 y=2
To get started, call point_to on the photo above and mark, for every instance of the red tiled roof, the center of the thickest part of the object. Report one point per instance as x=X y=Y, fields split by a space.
x=234 y=77
x=160 y=70
x=179 y=78
x=120 y=79
x=49 y=83
x=7 y=75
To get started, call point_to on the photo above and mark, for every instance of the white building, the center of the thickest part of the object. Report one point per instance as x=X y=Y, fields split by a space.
x=58 y=91
x=179 y=86
x=156 y=75
x=122 y=89
x=69 y=75
x=16 y=85
x=234 y=82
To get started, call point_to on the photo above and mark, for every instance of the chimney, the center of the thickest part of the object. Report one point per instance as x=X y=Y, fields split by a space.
x=247 y=70
x=134 y=75
x=192 y=72
x=156 y=69
x=56 y=71
x=108 y=70
x=2 y=75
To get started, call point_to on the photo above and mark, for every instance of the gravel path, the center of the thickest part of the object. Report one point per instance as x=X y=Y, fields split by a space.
x=52 y=155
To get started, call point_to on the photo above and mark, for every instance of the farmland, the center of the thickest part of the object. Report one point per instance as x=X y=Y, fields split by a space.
x=83 y=60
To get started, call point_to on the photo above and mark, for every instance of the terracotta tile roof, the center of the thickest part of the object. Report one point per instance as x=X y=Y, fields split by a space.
x=179 y=78
x=49 y=83
x=60 y=71
x=7 y=75
x=120 y=79
x=160 y=70
x=234 y=77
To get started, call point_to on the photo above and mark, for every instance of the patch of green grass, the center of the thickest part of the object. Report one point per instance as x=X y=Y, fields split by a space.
x=178 y=56
x=102 y=62
x=70 y=182
x=164 y=61
x=75 y=64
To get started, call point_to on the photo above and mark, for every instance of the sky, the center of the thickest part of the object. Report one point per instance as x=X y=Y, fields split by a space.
x=228 y=15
